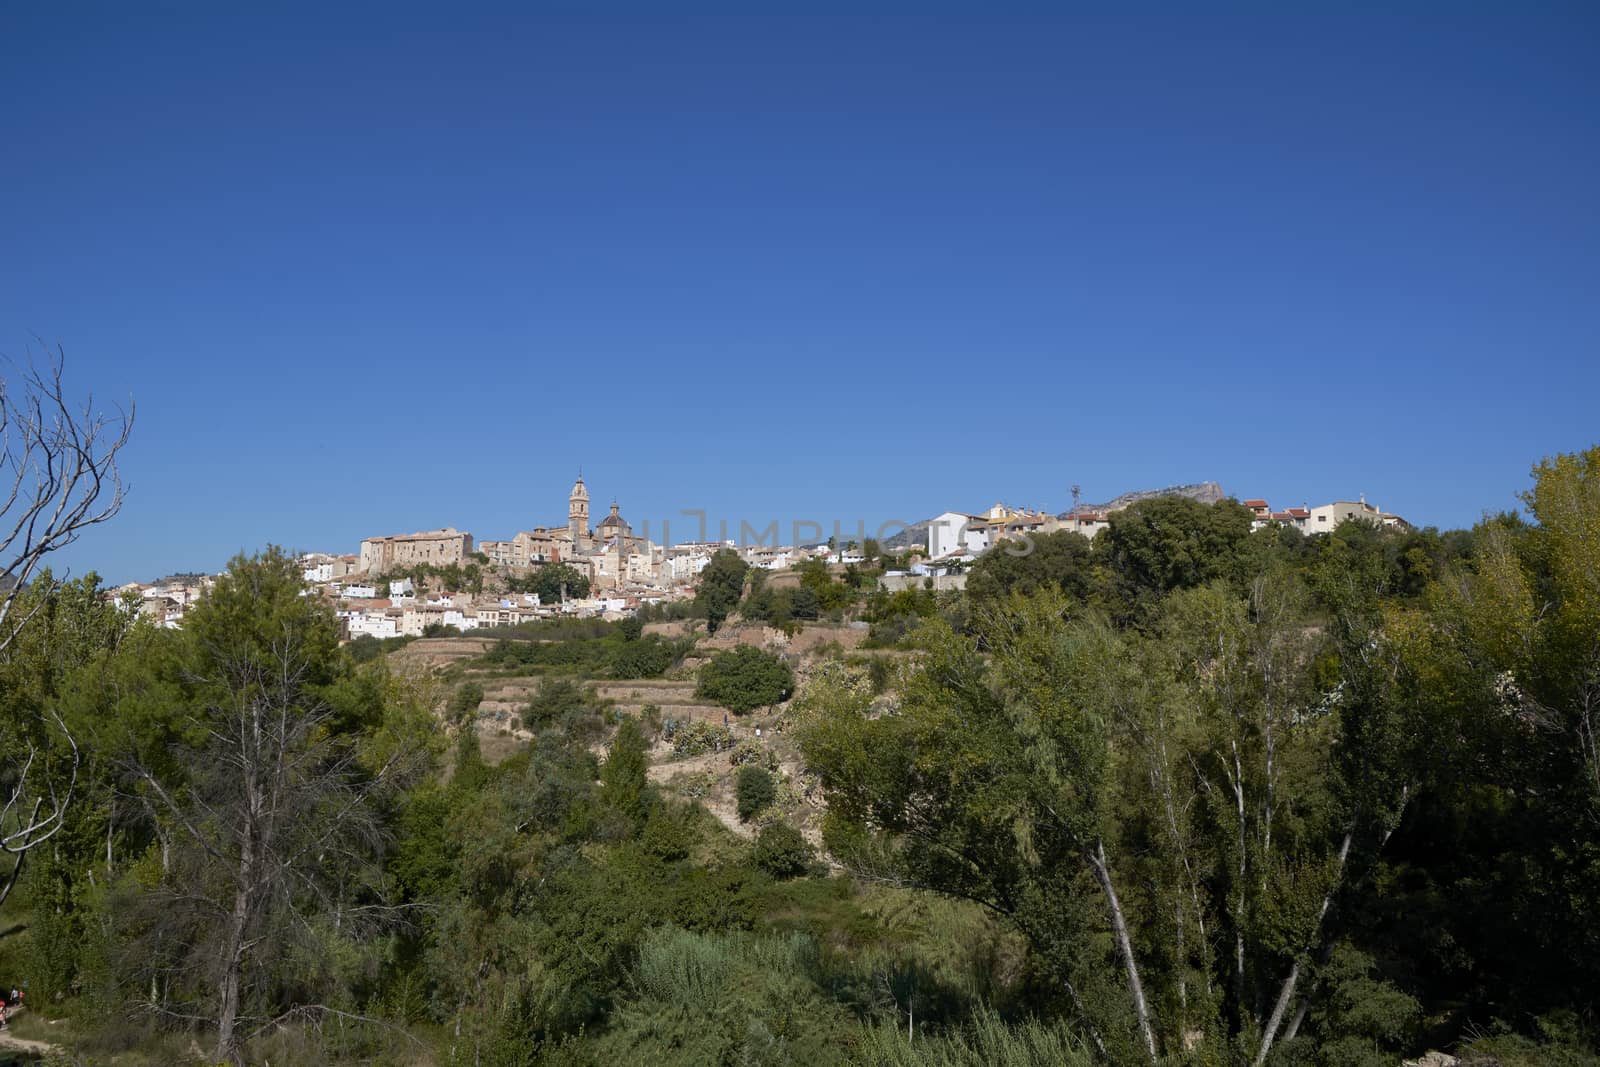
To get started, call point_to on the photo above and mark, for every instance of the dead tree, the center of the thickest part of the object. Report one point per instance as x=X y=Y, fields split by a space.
x=273 y=802
x=58 y=478
x=58 y=471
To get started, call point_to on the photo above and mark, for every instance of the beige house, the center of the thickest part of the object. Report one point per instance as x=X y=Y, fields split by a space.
x=438 y=547
x=505 y=615
x=415 y=620
x=530 y=548
x=1087 y=523
x=1326 y=517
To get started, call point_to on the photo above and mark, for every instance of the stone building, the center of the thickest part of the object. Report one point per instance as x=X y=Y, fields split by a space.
x=438 y=547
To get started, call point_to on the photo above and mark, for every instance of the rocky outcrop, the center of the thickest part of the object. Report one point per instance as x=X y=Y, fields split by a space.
x=1433 y=1059
x=1205 y=492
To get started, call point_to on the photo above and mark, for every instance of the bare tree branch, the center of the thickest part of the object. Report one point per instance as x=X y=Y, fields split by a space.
x=58 y=477
x=58 y=473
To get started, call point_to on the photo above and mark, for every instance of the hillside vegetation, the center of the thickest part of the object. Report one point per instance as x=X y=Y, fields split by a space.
x=1185 y=795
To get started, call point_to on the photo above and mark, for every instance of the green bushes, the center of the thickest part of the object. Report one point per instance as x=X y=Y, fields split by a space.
x=561 y=706
x=617 y=652
x=648 y=657
x=465 y=700
x=782 y=851
x=697 y=737
x=756 y=790
x=726 y=998
x=745 y=678
x=985 y=1042
x=366 y=648
x=782 y=608
x=753 y=752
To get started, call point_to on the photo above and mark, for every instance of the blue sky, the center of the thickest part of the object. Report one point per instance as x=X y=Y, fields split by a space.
x=370 y=269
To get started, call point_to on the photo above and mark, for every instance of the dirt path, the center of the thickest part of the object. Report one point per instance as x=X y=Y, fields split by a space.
x=8 y=1043
x=710 y=761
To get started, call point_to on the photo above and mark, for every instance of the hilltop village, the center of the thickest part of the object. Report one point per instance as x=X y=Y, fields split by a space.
x=411 y=584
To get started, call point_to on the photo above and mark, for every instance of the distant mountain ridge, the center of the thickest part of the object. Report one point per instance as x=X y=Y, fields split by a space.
x=915 y=534
x=1204 y=492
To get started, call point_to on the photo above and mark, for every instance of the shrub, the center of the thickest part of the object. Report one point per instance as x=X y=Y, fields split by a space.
x=753 y=752
x=782 y=851
x=880 y=672
x=745 y=678
x=755 y=790
x=641 y=657
x=697 y=737
x=695 y=786
x=465 y=700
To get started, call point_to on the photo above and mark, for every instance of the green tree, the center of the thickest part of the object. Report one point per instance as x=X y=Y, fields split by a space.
x=745 y=678
x=269 y=774
x=1171 y=542
x=755 y=791
x=57 y=791
x=623 y=781
x=1365 y=1020
x=557 y=581
x=721 y=587
x=990 y=784
x=817 y=579
x=465 y=700
x=645 y=658
x=782 y=851
x=1063 y=560
x=1509 y=647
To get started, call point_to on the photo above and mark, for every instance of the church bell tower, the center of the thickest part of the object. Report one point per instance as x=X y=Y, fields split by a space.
x=578 y=516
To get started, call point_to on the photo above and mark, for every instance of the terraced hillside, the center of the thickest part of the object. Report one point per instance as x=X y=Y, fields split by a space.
x=693 y=773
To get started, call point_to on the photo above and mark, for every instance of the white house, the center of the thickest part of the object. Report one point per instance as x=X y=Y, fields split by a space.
x=681 y=566
x=956 y=531
x=374 y=624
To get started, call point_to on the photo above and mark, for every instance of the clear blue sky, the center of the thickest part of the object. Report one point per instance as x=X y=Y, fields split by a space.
x=388 y=268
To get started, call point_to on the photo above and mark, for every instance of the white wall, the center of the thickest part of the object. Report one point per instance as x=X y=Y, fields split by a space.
x=945 y=533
